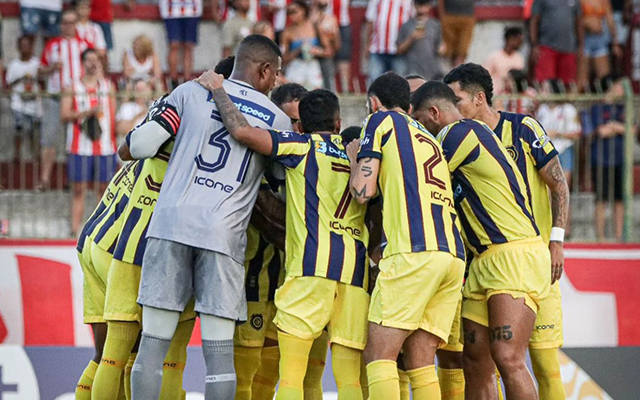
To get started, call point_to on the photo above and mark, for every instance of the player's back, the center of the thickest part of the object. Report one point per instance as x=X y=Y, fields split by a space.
x=418 y=209
x=212 y=181
x=326 y=231
x=106 y=220
x=489 y=191
x=531 y=149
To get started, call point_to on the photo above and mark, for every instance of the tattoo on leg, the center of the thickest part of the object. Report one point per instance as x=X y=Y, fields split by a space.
x=470 y=336
x=500 y=333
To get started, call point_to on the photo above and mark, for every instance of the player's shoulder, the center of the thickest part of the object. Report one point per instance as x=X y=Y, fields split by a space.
x=254 y=103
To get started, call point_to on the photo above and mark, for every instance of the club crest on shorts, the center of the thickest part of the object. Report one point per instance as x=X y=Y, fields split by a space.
x=256 y=321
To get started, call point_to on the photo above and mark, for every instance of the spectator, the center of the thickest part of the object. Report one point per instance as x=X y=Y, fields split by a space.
x=506 y=59
x=458 y=20
x=302 y=47
x=327 y=27
x=384 y=19
x=340 y=9
x=236 y=28
x=181 y=18
x=90 y=31
x=62 y=67
x=561 y=121
x=622 y=15
x=102 y=14
x=278 y=11
x=133 y=112
x=557 y=39
x=605 y=123
x=415 y=81
x=227 y=11
x=596 y=60
x=21 y=77
x=1 y=55
x=419 y=40
x=88 y=109
x=141 y=62
x=264 y=28
x=40 y=14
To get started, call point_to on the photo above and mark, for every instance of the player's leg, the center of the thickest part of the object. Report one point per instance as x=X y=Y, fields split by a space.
x=543 y=346
x=404 y=380
x=479 y=368
x=315 y=367
x=248 y=341
x=304 y=307
x=383 y=347
x=450 y=372
x=511 y=322
x=219 y=310
x=85 y=384
x=166 y=286
x=175 y=362
x=346 y=371
x=419 y=359
x=266 y=378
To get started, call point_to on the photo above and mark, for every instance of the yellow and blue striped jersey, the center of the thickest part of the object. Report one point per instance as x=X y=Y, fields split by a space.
x=489 y=191
x=530 y=147
x=264 y=267
x=326 y=234
x=132 y=239
x=104 y=224
x=418 y=212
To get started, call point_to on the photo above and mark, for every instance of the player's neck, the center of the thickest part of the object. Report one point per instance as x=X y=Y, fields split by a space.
x=395 y=109
x=490 y=117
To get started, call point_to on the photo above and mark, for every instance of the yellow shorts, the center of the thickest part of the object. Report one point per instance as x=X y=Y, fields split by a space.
x=521 y=269
x=121 y=300
x=418 y=291
x=308 y=304
x=547 y=333
x=259 y=325
x=95 y=267
x=454 y=343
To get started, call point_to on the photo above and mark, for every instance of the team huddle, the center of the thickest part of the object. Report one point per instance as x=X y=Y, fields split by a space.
x=434 y=231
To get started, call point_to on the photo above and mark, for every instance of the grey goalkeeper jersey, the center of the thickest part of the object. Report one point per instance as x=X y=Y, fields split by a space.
x=212 y=181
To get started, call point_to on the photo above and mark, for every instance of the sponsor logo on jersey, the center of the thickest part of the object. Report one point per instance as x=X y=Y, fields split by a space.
x=324 y=148
x=146 y=200
x=438 y=196
x=254 y=109
x=541 y=142
x=348 y=229
x=211 y=184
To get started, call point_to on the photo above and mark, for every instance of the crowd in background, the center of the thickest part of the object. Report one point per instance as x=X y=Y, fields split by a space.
x=581 y=43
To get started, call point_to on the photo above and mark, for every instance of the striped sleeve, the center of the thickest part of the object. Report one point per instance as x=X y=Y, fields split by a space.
x=371 y=136
x=289 y=148
x=542 y=149
x=460 y=146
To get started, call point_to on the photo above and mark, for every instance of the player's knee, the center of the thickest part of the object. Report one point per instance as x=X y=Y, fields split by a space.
x=450 y=359
x=508 y=359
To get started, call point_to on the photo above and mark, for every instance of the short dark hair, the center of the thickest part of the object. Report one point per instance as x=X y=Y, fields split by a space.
x=257 y=49
x=392 y=90
x=473 y=78
x=318 y=111
x=350 y=134
x=512 y=31
x=287 y=93
x=225 y=67
x=304 y=5
x=85 y=53
x=430 y=92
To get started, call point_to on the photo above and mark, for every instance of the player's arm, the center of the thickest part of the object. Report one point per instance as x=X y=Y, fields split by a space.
x=364 y=156
x=144 y=141
x=547 y=162
x=258 y=140
x=268 y=217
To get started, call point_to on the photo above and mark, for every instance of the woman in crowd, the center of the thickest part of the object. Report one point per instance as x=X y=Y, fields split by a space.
x=596 y=63
x=141 y=62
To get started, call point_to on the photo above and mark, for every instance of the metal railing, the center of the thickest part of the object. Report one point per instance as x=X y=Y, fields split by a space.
x=28 y=210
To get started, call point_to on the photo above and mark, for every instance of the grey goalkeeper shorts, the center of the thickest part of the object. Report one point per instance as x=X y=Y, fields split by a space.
x=173 y=273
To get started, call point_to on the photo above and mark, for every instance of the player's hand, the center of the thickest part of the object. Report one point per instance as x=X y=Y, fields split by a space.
x=210 y=80
x=557 y=260
x=352 y=150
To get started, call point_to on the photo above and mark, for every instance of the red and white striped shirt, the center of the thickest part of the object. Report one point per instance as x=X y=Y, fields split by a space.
x=227 y=12
x=387 y=17
x=68 y=52
x=180 y=8
x=84 y=99
x=340 y=8
x=92 y=33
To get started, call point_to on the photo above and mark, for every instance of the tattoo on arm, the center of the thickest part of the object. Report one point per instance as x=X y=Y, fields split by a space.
x=361 y=194
x=554 y=178
x=367 y=171
x=231 y=116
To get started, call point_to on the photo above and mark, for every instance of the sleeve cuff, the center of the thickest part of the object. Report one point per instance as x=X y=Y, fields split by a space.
x=369 y=153
x=546 y=159
x=128 y=139
x=274 y=143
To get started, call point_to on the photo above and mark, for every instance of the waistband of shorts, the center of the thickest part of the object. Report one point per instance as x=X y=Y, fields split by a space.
x=496 y=248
